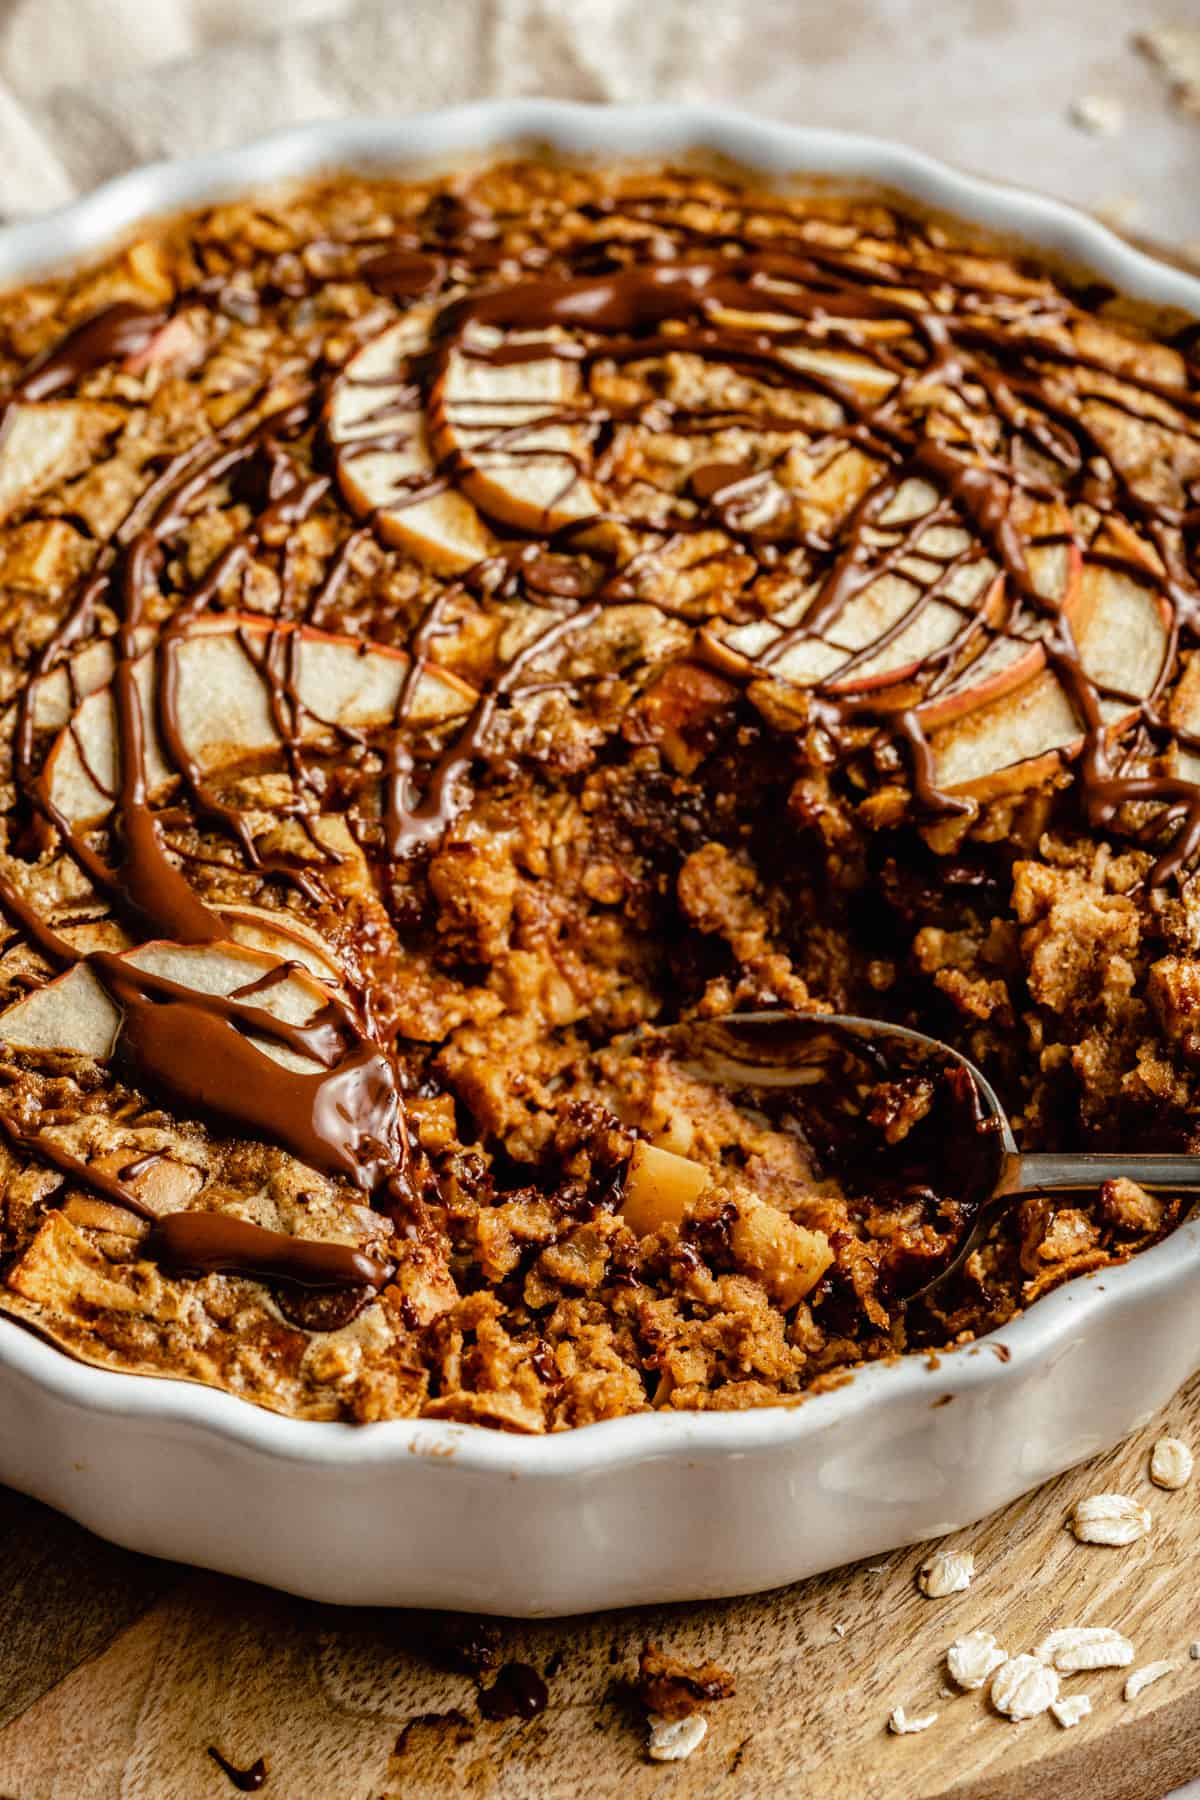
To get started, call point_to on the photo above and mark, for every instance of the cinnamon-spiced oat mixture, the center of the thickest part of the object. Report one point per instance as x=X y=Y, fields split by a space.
x=453 y=631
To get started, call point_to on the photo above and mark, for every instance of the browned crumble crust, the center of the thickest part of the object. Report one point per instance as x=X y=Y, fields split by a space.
x=675 y=1689
x=659 y=826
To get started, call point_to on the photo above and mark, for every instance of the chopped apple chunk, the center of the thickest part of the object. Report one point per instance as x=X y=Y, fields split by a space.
x=48 y=441
x=788 y=1259
x=659 y=1188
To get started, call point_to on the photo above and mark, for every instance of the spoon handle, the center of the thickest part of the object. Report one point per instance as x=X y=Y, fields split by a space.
x=1051 y=1173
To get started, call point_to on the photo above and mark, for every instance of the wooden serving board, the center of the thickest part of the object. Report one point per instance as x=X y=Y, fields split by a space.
x=117 y=1673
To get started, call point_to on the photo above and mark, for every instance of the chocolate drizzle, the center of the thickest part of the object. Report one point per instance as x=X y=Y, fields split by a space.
x=839 y=347
x=148 y=885
x=202 y=1051
x=518 y=1692
x=817 y=301
x=198 y=1048
x=247 y=1781
x=199 y=1242
x=120 y=331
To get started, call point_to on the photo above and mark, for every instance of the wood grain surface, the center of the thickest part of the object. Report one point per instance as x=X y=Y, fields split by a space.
x=117 y=1673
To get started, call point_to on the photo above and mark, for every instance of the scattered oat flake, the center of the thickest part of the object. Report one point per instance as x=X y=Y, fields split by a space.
x=1141 y=1678
x=901 y=1724
x=1085 y=1647
x=839 y=1631
x=1098 y=113
x=1069 y=1712
x=673 y=1739
x=1109 y=1519
x=946 y=1572
x=973 y=1657
x=1023 y=1687
x=1171 y=1463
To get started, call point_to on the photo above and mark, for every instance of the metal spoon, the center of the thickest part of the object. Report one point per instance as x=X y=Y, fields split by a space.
x=780 y=1050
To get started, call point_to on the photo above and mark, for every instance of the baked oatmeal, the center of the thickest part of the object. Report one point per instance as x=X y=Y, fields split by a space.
x=455 y=633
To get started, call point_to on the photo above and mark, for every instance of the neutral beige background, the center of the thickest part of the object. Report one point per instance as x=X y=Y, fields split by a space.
x=90 y=86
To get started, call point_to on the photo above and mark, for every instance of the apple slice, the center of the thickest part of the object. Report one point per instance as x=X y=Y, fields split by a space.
x=80 y=773
x=506 y=420
x=889 y=612
x=907 y=630
x=177 y=345
x=1184 y=714
x=1008 y=744
x=385 y=469
x=867 y=620
x=42 y=442
x=74 y=1014
x=283 y=937
x=223 y=705
x=877 y=616
x=1010 y=659
x=856 y=370
x=56 y=694
x=1123 y=634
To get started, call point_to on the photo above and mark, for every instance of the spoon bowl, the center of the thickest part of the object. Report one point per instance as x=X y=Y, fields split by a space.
x=782 y=1050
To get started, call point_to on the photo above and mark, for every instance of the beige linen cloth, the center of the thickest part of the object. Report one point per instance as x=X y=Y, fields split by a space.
x=91 y=87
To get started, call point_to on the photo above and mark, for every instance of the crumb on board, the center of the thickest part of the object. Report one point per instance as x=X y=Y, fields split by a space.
x=673 y=1740
x=673 y=1689
x=1070 y=1710
x=1147 y=1675
x=900 y=1723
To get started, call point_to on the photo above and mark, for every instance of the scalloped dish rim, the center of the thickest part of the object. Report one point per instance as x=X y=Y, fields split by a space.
x=627 y=133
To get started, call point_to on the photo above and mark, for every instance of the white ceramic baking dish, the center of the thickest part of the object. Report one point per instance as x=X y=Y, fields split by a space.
x=655 y=1507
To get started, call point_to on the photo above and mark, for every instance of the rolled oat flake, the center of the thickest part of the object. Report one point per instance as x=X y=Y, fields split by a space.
x=972 y=1658
x=671 y=1740
x=1148 y=1673
x=946 y=1572
x=1024 y=1687
x=1112 y=1519
x=1079 y=1647
x=1171 y=1463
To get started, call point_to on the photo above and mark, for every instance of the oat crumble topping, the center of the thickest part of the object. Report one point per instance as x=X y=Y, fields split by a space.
x=452 y=631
